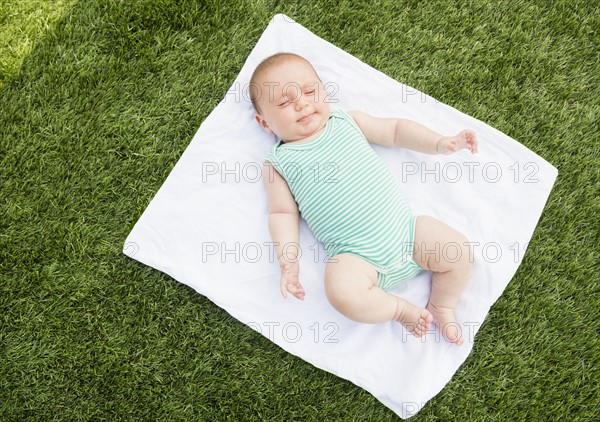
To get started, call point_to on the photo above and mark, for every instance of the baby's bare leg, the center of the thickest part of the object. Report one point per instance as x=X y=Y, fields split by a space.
x=351 y=287
x=444 y=251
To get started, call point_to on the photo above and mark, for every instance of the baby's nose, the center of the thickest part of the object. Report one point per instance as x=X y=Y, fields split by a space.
x=301 y=103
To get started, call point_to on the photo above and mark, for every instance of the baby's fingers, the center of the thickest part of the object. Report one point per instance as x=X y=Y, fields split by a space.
x=296 y=289
x=283 y=287
x=299 y=293
x=473 y=142
x=468 y=139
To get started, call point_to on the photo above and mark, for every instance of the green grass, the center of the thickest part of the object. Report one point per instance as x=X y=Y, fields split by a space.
x=21 y=23
x=106 y=102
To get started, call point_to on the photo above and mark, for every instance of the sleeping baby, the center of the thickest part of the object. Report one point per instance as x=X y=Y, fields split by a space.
x=324 y=170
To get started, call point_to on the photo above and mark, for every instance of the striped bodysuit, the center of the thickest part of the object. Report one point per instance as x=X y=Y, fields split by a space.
x=349 y=198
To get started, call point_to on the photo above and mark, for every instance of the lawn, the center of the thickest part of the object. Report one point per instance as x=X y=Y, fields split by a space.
x=96 y=113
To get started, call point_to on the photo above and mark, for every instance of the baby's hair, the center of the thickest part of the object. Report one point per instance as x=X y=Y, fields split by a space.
x=266 y=64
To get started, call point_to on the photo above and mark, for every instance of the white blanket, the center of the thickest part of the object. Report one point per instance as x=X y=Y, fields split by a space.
x=207 y=225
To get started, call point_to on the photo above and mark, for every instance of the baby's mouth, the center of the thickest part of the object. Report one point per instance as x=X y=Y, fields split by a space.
x=306 y=118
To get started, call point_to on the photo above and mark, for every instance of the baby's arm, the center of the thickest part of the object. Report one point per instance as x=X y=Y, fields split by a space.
x=404 y=133
x=284 y=219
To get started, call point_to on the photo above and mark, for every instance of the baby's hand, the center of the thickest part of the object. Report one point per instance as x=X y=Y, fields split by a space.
x=290 y=281
x=465 y=139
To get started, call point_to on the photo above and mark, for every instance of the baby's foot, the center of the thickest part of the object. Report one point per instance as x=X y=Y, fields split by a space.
x=447 y=322
x=416 y=320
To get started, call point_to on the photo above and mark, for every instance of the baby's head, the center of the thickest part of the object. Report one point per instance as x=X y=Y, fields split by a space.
x=289 y=97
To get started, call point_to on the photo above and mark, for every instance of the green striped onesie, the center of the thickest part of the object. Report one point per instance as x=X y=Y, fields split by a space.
x=349 y=198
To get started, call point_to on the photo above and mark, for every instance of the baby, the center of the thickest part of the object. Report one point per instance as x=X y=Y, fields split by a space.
x=323 y=169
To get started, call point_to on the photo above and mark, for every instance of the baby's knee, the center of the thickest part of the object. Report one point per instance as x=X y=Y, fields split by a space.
x=464 y=256
x=451 y=254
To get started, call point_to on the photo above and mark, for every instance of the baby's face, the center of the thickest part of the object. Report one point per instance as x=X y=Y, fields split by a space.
x=292 y=101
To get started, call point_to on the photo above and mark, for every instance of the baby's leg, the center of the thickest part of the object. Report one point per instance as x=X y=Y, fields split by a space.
x=351 y=287
x=444 y=251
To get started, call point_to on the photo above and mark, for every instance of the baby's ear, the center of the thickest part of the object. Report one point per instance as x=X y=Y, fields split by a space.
x=262 y=122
